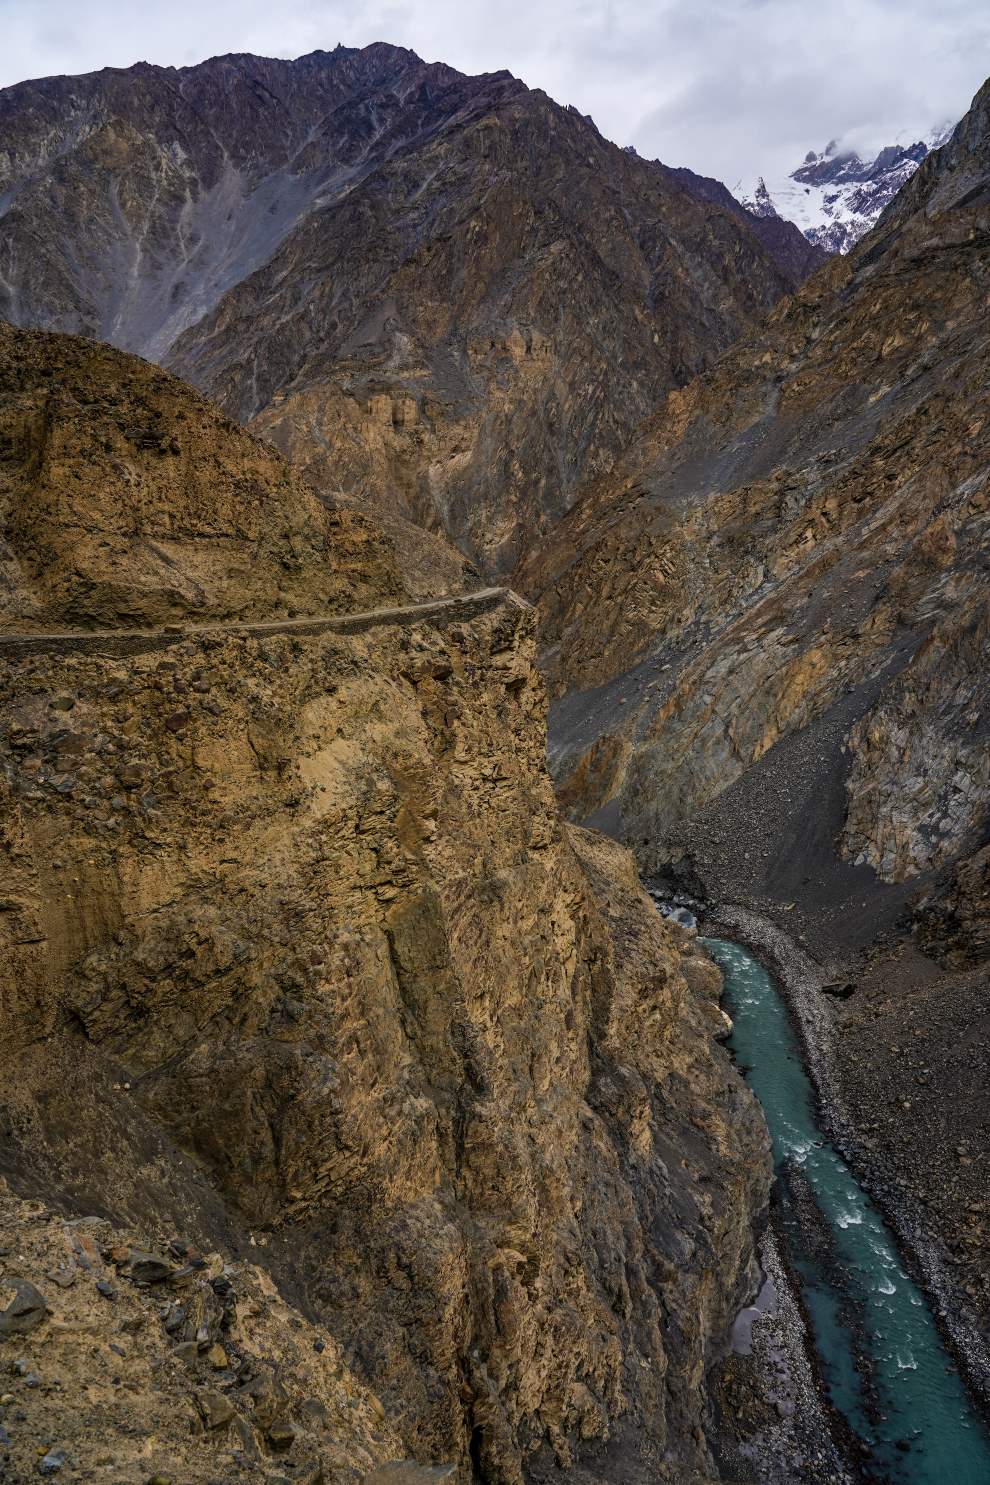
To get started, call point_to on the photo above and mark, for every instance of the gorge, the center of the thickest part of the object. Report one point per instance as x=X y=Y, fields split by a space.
x=499 y=522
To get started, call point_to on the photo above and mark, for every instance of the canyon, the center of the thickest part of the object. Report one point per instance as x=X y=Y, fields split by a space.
x=767 y=633
x=498 y=522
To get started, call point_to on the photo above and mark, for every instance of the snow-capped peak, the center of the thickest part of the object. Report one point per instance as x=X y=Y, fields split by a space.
x=835 y=195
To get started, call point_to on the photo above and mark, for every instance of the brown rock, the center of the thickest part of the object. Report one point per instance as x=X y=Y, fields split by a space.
x=282 y=1435
x=102 y=533
x=215 y=1409
x=413 y=840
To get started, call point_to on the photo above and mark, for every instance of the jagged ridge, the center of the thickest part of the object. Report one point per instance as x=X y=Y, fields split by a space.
x=447 y=294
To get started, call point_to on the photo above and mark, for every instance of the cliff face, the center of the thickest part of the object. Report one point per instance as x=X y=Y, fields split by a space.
x=447 y=295
x=127 y=499
x=802 y=535
x=301 y=967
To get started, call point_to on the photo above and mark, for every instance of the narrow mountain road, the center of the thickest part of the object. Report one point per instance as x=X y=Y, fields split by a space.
x=134 y=641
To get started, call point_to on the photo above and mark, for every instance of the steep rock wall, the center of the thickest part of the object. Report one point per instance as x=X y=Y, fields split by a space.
x=307 y=902
x=300 y=964
x=800 y=538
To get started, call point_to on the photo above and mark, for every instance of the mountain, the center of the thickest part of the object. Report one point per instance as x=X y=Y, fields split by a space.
x=767 y=628
x=446 y=295
x=361 y=1120
x=836 y=196
x=797 y=254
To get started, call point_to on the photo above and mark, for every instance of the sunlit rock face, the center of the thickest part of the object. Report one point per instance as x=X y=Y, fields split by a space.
x=301 y=965
x=129 y=499
x=444 y=294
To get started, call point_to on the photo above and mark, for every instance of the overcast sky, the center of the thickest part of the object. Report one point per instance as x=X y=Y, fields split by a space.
x=730 y=87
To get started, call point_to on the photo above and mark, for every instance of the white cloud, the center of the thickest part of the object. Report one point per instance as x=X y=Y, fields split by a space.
x=728 y=87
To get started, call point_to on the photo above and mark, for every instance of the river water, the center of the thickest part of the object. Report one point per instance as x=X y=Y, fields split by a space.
x=879 y=1352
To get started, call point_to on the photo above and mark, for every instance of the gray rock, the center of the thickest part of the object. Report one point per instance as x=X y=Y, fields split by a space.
x=406 y=1472
x=25 y=1312
x=149 y=1268
x=65 y=1276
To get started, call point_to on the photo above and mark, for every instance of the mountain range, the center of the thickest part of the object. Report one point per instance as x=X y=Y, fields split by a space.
x=836 y=196
x=448 y=295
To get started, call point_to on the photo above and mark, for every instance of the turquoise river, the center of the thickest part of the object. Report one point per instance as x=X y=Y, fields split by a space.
x=878 y=1348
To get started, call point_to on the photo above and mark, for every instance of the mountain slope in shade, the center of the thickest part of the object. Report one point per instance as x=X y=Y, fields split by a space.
x=768 y=632
x=447 y=294
x=798 y=254
x=829 y=474
x=835 y=197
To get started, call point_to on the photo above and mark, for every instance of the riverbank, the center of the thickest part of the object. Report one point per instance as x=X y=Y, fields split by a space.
x=817 y=1019
x=772 y=1424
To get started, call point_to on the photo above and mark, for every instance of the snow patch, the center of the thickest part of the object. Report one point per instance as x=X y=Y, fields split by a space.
x=836 y=196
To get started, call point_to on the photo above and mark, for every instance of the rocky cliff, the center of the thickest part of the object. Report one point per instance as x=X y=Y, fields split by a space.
x=304 y=976
x=446 y=294
x=127 y=499
x=767 y=631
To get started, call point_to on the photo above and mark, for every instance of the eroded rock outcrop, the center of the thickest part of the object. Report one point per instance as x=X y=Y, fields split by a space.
x=952 y=922
x=127 y=499
x=919 y=780
x=300 y=964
